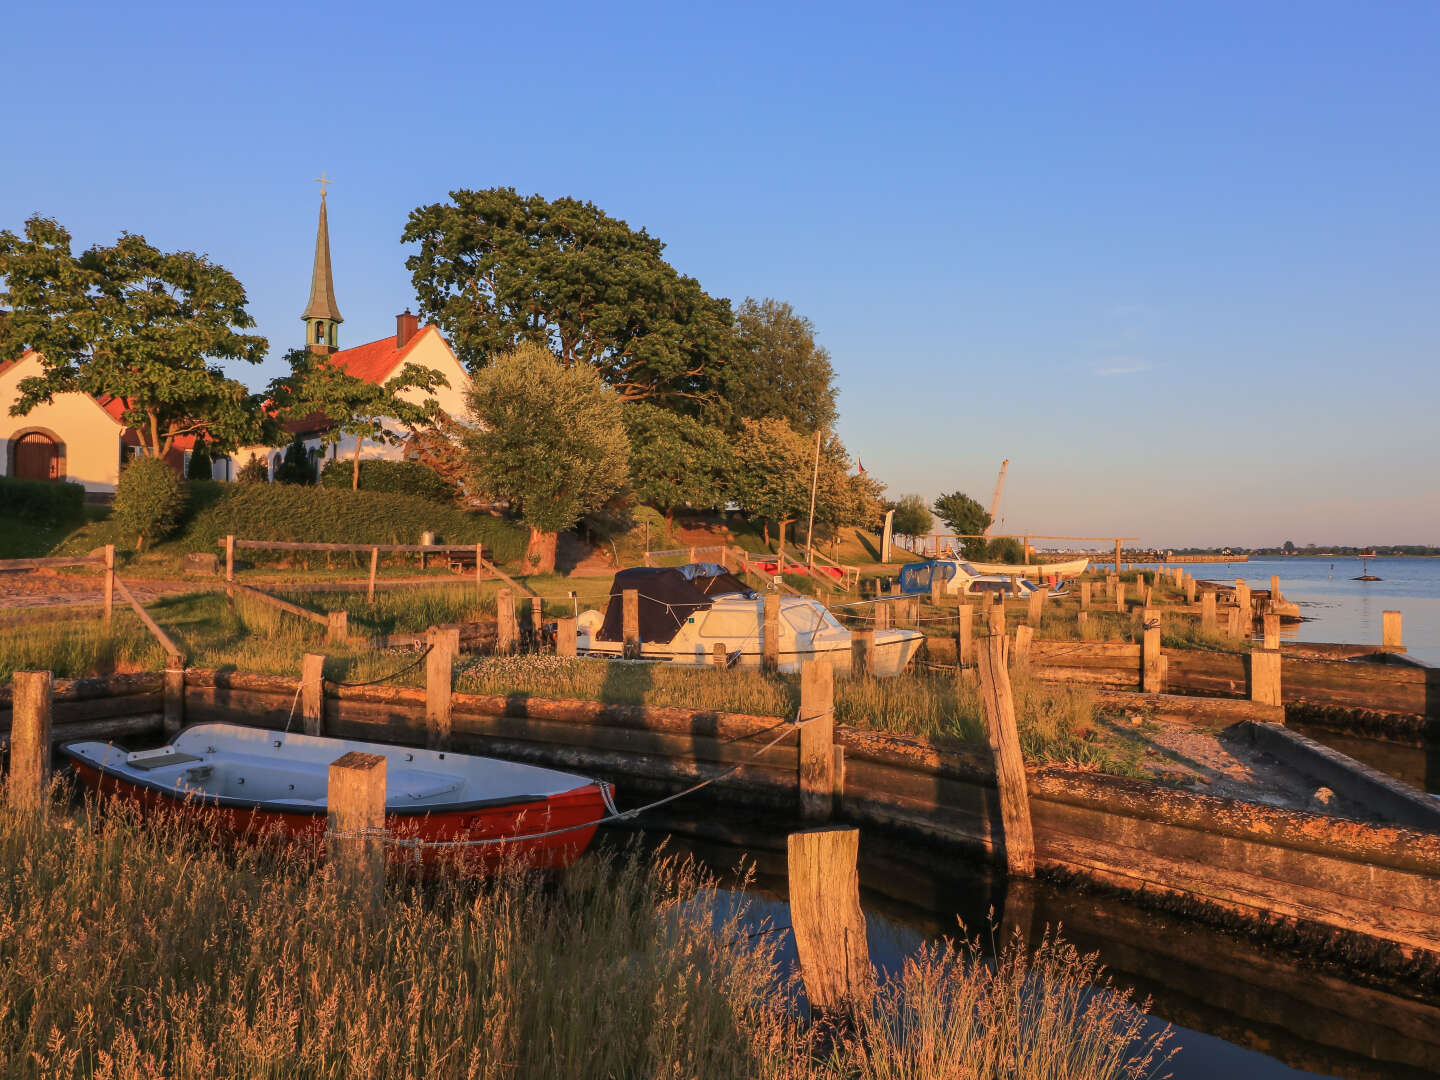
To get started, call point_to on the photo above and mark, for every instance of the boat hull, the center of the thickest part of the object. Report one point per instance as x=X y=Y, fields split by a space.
x=893 y=650
x=1072 y=568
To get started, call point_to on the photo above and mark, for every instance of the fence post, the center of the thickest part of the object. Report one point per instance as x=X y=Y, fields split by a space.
x=312 y=693
x=1265 y=676
x=1153 y=672
x=1004 y=739
x=719 y=657
x=1392 y=631
x=109 y=585
x=862 y=652
x=995 y=619
x=537 y=622
x=374 y=566
x=355 y=808
x=506 y=630
x=444 y=642
x=174 y=698
x=427 y=539
x=1189 y=589
x=965 y=637
x=826 y=918
x=1119 y=596
x=1082 y=620
x=881 y=608
x=30 y=714
x=338 y=626
x=1272 y=631
x=1208 y=620
x=1084 y=596
x=937 y=589
x=1247 y=613
x=229 y=563
x=565 y=643
x=1036 y=608
x=817 y=739
x=1274 y=589
x=770 y=633
x=1024 y=634
x=1117 y=556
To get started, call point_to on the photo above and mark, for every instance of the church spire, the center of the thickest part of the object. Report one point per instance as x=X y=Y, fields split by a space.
x=322 y=314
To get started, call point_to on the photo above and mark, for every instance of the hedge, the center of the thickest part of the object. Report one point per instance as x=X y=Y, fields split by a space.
x=397 y=477
x=42 y=501
x=329 y=516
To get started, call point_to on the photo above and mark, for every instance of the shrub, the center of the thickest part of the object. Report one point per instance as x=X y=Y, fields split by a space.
x=42 y=501
x=254 y=471
x=1005 y=549
x=327 y=516
x=297 y=468
x=151 y=500
x=396 y=477
x=201 y=465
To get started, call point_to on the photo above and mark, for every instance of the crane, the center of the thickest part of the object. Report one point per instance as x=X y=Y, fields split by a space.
x=995 y=499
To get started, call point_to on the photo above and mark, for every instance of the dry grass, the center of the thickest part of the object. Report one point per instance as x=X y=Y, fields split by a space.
x=143 y=948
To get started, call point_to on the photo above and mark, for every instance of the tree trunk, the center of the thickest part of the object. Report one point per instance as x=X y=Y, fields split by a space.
x=355 y=470
x=766 y=524
x=540 y=552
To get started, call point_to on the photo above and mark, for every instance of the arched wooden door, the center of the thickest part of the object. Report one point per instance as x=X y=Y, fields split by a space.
x=37 y=457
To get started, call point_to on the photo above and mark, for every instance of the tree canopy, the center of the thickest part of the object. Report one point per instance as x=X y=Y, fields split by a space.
x=496 y=269
x=546 y=438
x=135 y=323
x=771 y=472
x=912 y=516
x=674 y=459
x=777 y=370
x=963 y=515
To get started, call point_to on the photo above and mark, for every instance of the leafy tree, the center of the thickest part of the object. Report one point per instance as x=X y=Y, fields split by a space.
x=546 y=438
x=912 y=516
x=674 y=459
x=771 y=473
x=355 y=406
x=963 y=515
x=777 y=369
x=1003 y=549
x=201 y=466
x=150 y=500
x=495 y=270
x=296 y=467
x=254 y=471
x=135 y=323
x=1288 y=547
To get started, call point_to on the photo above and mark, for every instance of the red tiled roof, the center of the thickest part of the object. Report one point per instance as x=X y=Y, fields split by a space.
x=374 y=362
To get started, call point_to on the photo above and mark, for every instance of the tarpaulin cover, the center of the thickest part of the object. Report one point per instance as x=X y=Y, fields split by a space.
x=667 y=599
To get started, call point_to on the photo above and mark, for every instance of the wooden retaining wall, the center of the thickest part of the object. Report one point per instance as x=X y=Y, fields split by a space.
x=1262 y=863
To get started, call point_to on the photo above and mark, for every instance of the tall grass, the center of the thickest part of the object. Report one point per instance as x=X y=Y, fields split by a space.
x=144 y=948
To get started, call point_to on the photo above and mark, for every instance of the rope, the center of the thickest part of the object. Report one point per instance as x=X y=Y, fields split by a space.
x=385 y=678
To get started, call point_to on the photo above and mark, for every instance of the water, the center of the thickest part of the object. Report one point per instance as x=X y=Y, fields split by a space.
x=1338 y=608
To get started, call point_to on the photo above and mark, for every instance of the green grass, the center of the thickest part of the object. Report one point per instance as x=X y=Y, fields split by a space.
x=26 y=538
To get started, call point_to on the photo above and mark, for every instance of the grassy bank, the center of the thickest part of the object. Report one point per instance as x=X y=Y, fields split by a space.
x=146 y=948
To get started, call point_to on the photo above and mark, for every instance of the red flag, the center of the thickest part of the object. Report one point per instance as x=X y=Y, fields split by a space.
x=860 y=465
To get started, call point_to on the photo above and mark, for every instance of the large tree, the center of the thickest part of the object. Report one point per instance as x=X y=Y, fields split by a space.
x=773 y=466
x=547 y=439
x=496 y=269
x=675 y=460
x=777 y=370
x=965 y=516
x=135 y=323
x=355 y=406
x=912 y=516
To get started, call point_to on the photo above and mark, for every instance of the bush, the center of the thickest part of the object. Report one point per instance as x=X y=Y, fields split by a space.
x=396 y=477
x=254 y=471
x=324 y=515
x=201 y=465
x=42 y=501
x=1005 y=549
x=151 y=500
x=297 y=468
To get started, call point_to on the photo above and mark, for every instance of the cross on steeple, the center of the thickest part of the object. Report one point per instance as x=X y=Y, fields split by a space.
x=322 y=181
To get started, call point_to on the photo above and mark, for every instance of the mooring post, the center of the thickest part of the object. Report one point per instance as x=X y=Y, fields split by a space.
x=506 y=630
x=355 y=811
x=1119 y=596
x=1189 y=589
x=965 y=636
x=770 y=633
x=173 y=715
x=1265 y=676
x=862 y=652
x=109 y=586
x=1232 y=621
x=1084 y=595
x=1392 y=631
x=720 y=658
x=229 y=564
x=881 y=608
x=1247 y=612
x=337 y=627
x=1274 y=589
x=565 y=640
x=937 y=589
x=312 y=693
x=374 y=566
x=537 y=622
x=1024 y=634
x=1082 y=620
x=826 y=919
x=444 y=642
x=995 y=619
x=1153 y=672
x=1208 y=619
x=427 y=538
x=817 y=739
x=1036 y=608
x=30 y=712
x=1272 y=631
x=1117 y=556
x=1004 y=737
x=479 y=568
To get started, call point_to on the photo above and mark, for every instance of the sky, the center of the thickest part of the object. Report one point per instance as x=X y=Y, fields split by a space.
x=1177 y=262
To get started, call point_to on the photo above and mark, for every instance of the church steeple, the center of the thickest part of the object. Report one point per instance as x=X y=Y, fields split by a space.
x=322 y=314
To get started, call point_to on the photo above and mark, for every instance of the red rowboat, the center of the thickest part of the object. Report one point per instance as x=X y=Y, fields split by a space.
x=259 y=779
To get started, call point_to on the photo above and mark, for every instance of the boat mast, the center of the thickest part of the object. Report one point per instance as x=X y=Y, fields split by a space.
x=810 y=529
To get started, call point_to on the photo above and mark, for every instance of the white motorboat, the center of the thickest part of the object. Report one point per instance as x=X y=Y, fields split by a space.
x=686 y=611
x=959 y=577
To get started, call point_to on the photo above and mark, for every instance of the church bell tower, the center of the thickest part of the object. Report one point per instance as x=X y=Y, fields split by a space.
x=322 y=315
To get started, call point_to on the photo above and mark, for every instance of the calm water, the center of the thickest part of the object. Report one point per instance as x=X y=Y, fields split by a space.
x=1341 y=609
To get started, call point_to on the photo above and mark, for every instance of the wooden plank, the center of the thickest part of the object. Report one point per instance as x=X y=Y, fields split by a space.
x=817 y=731
x=49 y=563
x=1392 y=630
x=283 y=605
x=30 y=719
x=1004 y=740
x=826 y=919
x=171 y=651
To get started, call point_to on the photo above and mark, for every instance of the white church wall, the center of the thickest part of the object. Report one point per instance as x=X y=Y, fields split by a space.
x=90 y=435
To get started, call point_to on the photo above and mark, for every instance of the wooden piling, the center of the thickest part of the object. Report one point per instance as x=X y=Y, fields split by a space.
x=1208 y=620
x=1265 y=676
x=1272 y=631
x=881 y=608
x=1232 y=621
x=719 y=658
x=862 y=652
x=1119 y=596
x=444 y=643
x=817 y=739
x=1392 y=631
x=479 y=568
x=507 y=632
x=229 y=561
x=1189 y=589
x=1084 y=595
x=355 y=811
x=826 y=919
x=1036 y=609
x=1274 y=589
x=1247 y=611
x=30 y=718
x=337 y=626
x=937 y=589
x=1153 y=672
x=995 y=620
x=1117 y=556
x=312 y=693
x=374 y=568
x=173 y=701
x=1082 y=619
x=1024 y=634
x=770 y=633
x=965 y=636
x=537 y=622
x=565 y=637
x=109 y=586
x=1004 y=737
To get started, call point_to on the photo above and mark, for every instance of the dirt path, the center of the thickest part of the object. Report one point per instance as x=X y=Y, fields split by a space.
x=37 y=588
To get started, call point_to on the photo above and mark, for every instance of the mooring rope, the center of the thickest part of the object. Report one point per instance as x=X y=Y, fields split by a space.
x=386 y=678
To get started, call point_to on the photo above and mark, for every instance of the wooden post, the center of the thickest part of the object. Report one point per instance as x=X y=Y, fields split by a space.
x=479 y=567
x=229 y=560
x=718 y=656
x=109 y=586
x=862 y=652
x=1208 y=620
x=355 y=806
x=1247 y=612
x=537 y=622
x=1117 y=556
x=1153 y=672
x=1082 y=620
x=312 y=693
x=1265 y=676
x=1189 y=589
x=1037 y=607
x=1232 y=621
x=507 y=632
x=1274 y=589
x=1272 y=631
x=770 y=633
x=1004 y=739
x=937 y=588
x=881 y=608
x=1024 y=634
x=826 y=918
x=426 y=539
x=338 y=626
x=30 y=706
x=995 y=620
x=374 y=566
x=1119 y=596
x=1392 y=631
x=1084 y=595
x=173 y=716
x=444 y=642
x=965 y=636
x=565 y=640
x=817 y=739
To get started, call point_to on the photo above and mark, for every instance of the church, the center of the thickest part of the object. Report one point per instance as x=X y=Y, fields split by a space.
x=80 y=438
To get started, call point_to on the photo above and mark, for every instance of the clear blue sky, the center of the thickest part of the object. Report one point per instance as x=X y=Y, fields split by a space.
x=1178 y=262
